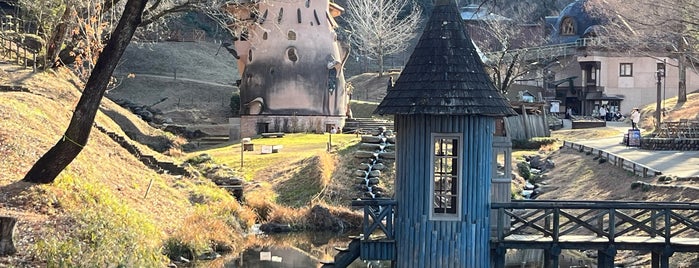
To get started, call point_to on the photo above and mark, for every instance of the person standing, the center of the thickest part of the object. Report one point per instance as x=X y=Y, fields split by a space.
x=635 y=118
x=603 y=113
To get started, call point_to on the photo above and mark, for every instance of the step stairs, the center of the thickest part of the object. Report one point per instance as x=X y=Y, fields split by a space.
x=148 y=160
x=366 y=125
x=345 y=256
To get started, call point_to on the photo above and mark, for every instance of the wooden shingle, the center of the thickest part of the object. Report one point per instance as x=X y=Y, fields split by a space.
x=445 y=75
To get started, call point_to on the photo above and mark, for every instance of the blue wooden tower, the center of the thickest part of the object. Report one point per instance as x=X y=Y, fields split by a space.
x=445 y=108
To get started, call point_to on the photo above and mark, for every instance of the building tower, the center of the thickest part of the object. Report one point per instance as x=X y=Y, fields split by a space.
x=291 y=66
x=445 y=108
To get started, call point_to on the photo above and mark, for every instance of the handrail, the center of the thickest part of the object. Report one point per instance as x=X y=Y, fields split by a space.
x=611 y=220
x=378 y=215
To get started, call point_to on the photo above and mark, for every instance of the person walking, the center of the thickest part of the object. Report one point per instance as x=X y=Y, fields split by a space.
x=635 y=118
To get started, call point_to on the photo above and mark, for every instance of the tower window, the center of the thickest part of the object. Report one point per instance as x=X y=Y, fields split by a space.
x=446 y=176
x=291 y=35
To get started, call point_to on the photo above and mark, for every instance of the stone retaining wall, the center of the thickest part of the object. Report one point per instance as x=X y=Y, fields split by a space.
x=670 y=144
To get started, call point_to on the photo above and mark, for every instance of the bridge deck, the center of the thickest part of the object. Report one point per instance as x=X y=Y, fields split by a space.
x=594 y=242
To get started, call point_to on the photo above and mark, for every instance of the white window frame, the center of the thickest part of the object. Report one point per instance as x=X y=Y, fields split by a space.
x=626 y=69
x=446 y=216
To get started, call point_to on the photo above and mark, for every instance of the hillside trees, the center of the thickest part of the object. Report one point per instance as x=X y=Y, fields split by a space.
x=666 y=26
x=382 y=27
x=78 y=28
x=47 y=168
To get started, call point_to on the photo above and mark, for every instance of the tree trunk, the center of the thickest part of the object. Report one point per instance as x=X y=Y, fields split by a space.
x=7 y=247
x=682 y=87
x=380 y=56
x=57 y=38
x=74 y=139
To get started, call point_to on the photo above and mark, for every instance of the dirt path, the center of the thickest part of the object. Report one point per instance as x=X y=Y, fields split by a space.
x=186 y=79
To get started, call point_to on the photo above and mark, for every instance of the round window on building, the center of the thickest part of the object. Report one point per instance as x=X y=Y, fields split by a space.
x=567 y=26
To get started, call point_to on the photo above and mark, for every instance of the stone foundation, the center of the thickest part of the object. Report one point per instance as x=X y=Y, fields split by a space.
x=253 y=125
x=665 y=144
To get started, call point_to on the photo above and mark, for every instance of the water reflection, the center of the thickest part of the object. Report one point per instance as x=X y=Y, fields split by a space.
x=293 y=250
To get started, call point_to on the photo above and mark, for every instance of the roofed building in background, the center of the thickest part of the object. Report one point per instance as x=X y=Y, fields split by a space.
x=586 y=73
x=291 y=66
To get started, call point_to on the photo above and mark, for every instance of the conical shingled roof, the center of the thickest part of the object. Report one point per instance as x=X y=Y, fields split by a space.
x=444 y=75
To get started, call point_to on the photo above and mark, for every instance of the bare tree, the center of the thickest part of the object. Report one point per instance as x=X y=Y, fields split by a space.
x=47 y=168
x=659 y=27
x=382 y=27
x=512 y=44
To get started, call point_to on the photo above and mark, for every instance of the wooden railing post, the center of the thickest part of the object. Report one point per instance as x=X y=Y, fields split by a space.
x=7 y=246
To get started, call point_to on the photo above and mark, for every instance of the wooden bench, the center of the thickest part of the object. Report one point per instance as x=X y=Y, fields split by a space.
x=273 y=135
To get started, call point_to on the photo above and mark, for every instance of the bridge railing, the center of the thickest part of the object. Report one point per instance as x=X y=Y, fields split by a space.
x=378 y=216
x=602 y=221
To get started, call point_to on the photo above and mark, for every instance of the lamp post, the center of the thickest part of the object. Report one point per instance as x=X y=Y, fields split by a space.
x=660 y=73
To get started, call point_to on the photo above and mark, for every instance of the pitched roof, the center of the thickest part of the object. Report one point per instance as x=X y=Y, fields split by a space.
x=444 y=75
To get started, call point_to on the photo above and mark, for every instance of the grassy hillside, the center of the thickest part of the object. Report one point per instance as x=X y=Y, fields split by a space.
x=96 y=213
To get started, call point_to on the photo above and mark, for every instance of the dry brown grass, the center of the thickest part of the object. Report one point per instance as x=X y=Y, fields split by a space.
x=104 y=175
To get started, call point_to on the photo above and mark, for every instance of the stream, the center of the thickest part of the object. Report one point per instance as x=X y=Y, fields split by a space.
x=294 y=250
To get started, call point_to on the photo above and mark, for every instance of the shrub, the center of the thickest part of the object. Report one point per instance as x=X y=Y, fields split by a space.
x=532 y=144
x=217 y=226
x=524 y=170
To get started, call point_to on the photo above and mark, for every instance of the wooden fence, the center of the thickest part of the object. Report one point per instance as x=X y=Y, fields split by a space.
x=527 y=126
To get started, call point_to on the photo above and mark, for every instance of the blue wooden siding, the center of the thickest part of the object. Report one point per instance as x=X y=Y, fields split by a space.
x=425 y=243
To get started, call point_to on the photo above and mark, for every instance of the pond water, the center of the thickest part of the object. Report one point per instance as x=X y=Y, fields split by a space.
x=295 y=250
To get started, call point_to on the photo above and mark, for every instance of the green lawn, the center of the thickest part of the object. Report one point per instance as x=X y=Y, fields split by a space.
x=295 y=147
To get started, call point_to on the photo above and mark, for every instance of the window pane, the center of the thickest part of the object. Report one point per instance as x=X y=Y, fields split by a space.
x=445 y=174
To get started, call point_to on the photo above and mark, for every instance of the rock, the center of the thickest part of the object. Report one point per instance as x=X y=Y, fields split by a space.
x=228 y=181
x=378 y=166
x=536 y=162
x=377 y=189
x=360 y=173
x=320 y=218
x=273 y=227
x=370 y=146
x=374 y=173
x=388 y=155
x=529 y=186
x=209 y=256
x=365 y=166
x=549 y=164
x=364 y=154
x=372 y=139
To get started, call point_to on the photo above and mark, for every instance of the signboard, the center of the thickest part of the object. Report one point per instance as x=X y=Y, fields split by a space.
x=634 y=138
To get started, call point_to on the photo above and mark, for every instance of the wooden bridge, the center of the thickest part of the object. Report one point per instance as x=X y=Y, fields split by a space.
x=661 y=228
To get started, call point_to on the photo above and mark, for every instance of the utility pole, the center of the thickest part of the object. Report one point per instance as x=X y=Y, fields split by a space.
x=660 y=74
